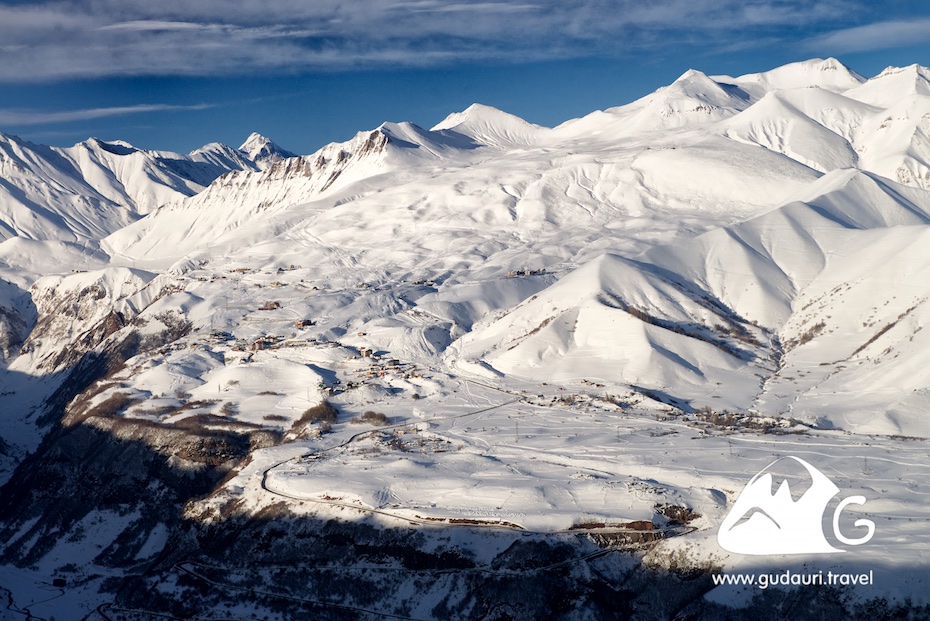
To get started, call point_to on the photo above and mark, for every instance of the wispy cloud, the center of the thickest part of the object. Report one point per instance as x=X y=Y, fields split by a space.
x=877 y=36
x=141 y=25
x=34 y=117
x=75 y=39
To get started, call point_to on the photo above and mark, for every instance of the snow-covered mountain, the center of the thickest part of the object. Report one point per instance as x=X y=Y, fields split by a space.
x=569 y=328
x=788 y=158
x=262 y=151
x=84 y=192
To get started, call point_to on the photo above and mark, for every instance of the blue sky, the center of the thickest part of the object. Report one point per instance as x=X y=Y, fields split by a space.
x=177 y=74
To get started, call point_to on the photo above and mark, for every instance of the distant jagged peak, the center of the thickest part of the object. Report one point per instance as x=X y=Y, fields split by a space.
x=255 y=141
x=329 y=167
x=370 y=151
x=260 y=148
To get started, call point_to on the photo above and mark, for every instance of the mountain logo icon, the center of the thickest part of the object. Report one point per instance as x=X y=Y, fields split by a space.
x=768 y=518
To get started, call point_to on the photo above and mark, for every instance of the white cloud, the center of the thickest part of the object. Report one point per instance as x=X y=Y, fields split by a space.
x=34 y=117
x=142 y=25
x=78 y=38
x=475 y=7
x=877 y=36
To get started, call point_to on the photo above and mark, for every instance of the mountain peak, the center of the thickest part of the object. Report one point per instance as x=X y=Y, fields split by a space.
x=261 y=149
x=893 y=85
x=476 y=112
x=490 y=126
x=828 y=64
x=116 y=147
x=696 y=84
x=255 y=141
x=829 y=74
x=693 y=97
x=913 y=69
x=692 y=74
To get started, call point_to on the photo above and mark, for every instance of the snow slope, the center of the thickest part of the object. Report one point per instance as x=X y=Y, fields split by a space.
x=772 y=297
x=44 y=196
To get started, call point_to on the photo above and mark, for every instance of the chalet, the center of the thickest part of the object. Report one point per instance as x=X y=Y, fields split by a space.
x=264 y=342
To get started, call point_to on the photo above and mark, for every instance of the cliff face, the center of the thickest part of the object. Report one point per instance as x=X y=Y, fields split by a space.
x=134 y=478
x=95 y=466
